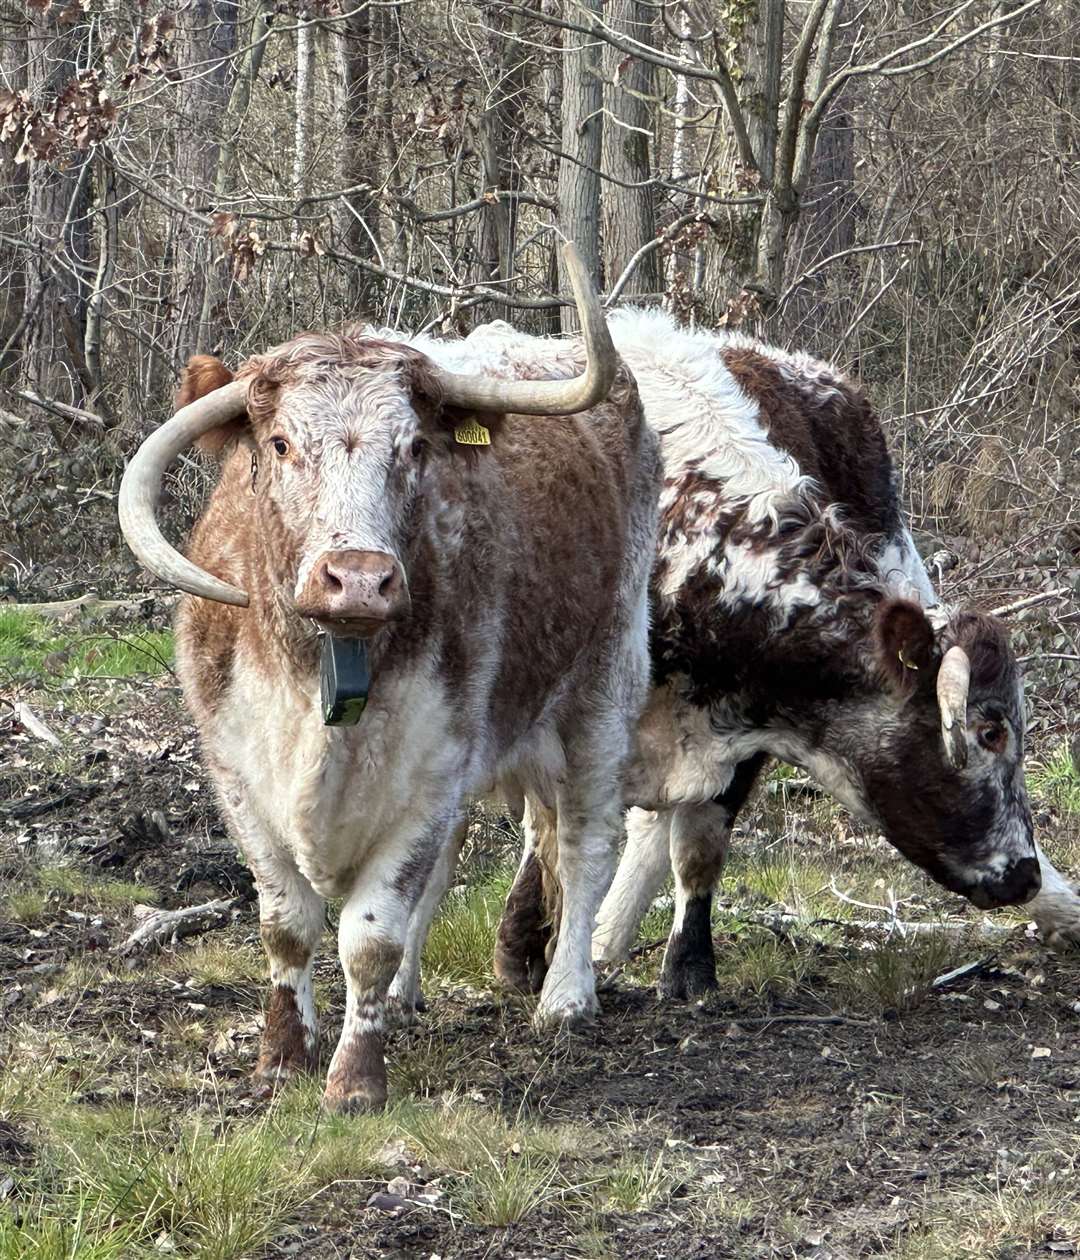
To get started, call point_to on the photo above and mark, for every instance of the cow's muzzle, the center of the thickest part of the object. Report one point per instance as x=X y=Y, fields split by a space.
x=1019 y=883
x=354 y=594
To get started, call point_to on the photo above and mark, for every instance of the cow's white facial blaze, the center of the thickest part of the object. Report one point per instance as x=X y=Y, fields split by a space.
x=345 y=453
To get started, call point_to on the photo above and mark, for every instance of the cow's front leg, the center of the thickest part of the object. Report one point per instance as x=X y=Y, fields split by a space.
x=589 y=811
x=291 y=918
x=371 y=943
x=1056 y=907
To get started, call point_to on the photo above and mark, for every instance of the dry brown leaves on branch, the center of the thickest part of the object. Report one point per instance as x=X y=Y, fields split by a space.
x=82 y=114
x=244 y=248
x=153 y=51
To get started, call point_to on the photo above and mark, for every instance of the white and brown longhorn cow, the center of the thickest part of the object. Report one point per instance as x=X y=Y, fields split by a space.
x=502 y=588
x=792 y=617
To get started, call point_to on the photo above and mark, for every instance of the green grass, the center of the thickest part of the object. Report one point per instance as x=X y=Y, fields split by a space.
x=68 y=885
x=895 y=974
x=1056 y=781
x=31 y=646
x=462 y=941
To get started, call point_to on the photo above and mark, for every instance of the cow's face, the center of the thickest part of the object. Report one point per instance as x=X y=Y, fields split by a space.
x=939 y=759
x=340 y=430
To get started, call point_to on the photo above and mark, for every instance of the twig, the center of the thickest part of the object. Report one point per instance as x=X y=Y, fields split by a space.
x=764 y=1020
x=1029 y=601
x=166 y=927
x=64 y=410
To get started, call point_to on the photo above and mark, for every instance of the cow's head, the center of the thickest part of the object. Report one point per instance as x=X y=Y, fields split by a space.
x=342 y=430
x=934 y=746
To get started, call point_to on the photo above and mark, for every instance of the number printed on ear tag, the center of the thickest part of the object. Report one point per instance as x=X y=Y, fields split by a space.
x=472 y=433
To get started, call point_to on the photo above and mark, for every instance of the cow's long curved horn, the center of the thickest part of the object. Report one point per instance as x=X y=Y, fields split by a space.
x=141 y=486
x=548 y=398
x=952 y=693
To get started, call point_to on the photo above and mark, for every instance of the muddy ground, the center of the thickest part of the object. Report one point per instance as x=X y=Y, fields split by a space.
x=817 y=1106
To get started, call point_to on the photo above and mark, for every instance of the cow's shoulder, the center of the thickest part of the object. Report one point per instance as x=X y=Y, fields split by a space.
x=826 y=424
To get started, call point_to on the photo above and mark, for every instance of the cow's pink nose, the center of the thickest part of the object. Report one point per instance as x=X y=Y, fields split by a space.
x=354 y=592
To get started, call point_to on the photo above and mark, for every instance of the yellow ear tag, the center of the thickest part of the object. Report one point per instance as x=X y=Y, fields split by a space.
x=472 y=433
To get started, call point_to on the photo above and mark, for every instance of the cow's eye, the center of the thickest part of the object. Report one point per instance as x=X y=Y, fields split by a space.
x=417 y=447
x=280 y=445
x=992 y=736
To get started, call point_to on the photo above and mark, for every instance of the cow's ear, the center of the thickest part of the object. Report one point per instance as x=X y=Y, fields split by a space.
x=201 y=376
x=904 y=644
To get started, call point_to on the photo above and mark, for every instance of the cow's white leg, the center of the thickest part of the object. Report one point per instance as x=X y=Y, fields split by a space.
x=371 y=944
x=291 y=919
x=644 y=866
x=526 y=923
x=405 y=998
x=589 y=811
x=1056 y=908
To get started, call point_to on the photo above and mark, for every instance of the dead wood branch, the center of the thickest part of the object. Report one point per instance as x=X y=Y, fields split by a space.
x=167 y=927
x=90 y=603
x=1029 y=601
x=33 y=725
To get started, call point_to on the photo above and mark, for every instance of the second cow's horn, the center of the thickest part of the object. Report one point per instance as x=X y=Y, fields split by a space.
x=953 y=680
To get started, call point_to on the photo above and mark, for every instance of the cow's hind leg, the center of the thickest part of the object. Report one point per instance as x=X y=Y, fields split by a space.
x=405 y=997
x=699 y=841
x=644 y=866
x=526 y=925
x=589 y=821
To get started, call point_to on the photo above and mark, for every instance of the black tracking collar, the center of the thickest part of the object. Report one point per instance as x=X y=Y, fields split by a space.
x=344 y=680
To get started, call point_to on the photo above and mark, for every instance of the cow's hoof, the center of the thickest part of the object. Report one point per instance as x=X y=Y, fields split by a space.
x=267 y=1079
x=572 y=1014
x=362 y=1101
x=684 y=981
x=1064 y=937
x=518 y=974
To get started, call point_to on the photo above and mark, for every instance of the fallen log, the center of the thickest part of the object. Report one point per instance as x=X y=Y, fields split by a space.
x=90 y=603
x=167 y=927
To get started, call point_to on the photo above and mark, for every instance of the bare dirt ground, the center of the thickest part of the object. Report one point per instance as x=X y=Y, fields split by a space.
x=832 y=1100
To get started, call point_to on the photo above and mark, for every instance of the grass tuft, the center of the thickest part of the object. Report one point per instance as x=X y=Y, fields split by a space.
x=461 y=945
x=894 y=974
x=1056 y=780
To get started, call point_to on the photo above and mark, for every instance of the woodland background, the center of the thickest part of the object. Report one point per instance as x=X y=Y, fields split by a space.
x=891 y=185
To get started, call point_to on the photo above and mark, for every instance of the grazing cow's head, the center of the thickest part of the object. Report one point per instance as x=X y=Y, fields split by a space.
x=936 y=752
x=342 y=430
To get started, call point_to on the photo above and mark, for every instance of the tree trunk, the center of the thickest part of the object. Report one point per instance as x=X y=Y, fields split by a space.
x=59 y=269
x=579 y=167
x=629 y=218
x=13 y=203
x=206 y=39
x=753 y=232
x=356 y=219
x=499 y=173
x=305 y=107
